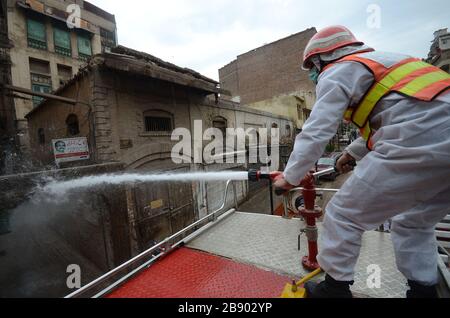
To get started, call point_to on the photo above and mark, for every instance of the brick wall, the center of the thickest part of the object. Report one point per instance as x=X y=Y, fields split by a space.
x=229 y=80
x=268 y=71
x=52 y=116
x=102 y=101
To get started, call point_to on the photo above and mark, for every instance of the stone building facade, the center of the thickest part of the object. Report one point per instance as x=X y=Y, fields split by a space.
x=46 y=53
x=270 y=78
x=8 y=135
x=440 y=50
x=128 y=104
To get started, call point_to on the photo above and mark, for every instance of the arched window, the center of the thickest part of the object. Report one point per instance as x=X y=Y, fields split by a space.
x=73 y=127
x=274 y=125
x=158 y=121
x=41 y=136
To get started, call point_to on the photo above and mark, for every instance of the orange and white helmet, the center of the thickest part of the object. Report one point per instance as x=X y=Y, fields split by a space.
x=326 y=41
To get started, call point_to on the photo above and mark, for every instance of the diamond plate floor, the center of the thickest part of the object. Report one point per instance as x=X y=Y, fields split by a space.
x=270 y=242
x=186 y=273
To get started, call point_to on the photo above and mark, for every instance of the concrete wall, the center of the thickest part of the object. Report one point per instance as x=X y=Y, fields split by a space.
x=291 y=106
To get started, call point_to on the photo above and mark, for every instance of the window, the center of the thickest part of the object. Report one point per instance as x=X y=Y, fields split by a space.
x=158 y=121
x=158 y=124
x=41 y=81
x=37 y=37
x=62 y=42
x=39 y=66
x=39 y=89
x=73 y=127
x=41 y=136
x=64 y=73
x=40 y=84
x=108 y=39
x=326 y=162
x=84 y=47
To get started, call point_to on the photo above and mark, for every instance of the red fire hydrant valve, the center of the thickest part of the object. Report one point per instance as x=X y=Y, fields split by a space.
x=310 y=212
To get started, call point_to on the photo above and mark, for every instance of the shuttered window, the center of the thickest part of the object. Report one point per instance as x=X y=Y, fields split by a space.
x=62 y=42
x=36 y=34
x=158 y=124
x=84 y=47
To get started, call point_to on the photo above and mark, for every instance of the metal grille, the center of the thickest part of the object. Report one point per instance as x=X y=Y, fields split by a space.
x=83 y=57
x=158 y=124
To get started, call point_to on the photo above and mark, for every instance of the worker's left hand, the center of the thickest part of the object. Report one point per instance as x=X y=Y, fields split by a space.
x=282 y=186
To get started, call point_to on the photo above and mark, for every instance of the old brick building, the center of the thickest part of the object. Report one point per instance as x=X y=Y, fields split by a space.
x=45 y=52
x=269 y=78
x=127 y=105
x=8 y=136
x=439 y=54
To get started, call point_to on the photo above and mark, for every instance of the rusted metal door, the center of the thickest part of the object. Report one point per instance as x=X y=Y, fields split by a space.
x=162 y=209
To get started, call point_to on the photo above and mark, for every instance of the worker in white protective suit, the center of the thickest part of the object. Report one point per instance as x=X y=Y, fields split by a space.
x=402 y=107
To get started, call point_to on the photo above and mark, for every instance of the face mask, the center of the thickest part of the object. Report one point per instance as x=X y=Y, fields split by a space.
x=314 y=75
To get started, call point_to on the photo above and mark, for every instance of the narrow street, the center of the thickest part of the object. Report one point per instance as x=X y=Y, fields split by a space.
x=260 y=202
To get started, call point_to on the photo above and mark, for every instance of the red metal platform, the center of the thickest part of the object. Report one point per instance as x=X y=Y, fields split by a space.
x=187 y=273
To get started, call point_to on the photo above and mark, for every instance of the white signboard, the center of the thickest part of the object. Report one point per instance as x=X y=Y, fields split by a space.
x=73 y=149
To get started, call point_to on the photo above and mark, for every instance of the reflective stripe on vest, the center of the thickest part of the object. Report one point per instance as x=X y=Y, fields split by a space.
x=410 y=77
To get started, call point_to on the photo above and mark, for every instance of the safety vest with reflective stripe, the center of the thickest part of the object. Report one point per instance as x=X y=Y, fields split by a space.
x=393 y=73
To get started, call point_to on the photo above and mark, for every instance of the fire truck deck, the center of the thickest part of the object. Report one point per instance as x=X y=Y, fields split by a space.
x=231 y=254
x=250 y=256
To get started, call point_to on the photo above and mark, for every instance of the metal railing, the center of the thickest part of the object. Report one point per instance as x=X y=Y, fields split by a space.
x=165 y=244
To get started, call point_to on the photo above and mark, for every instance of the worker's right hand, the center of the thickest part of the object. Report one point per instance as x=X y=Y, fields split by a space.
x=345 y=163
x=282 y=186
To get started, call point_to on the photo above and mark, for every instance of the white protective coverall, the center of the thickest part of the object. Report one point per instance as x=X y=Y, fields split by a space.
x=405 y=178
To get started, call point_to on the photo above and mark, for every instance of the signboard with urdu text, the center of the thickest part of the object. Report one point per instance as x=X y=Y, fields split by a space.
x=73 y=149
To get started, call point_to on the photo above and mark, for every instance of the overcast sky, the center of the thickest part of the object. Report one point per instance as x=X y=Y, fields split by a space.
x=207 y=34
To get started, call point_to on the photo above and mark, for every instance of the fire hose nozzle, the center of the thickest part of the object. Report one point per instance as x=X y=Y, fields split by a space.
x=256 y=175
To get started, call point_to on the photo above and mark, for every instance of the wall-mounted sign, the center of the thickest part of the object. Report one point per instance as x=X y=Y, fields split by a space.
x=73 y=149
